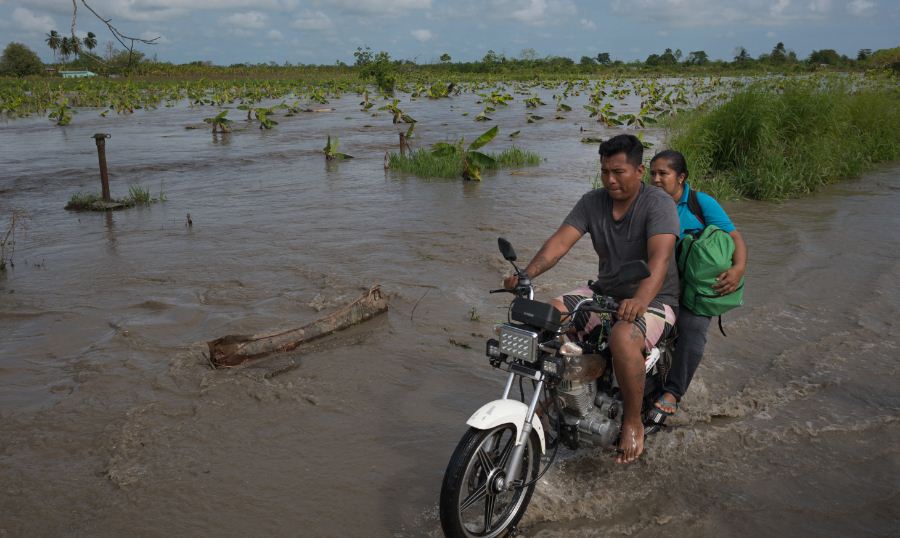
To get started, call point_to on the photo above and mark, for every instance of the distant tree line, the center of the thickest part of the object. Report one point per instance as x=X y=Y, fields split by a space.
x=382 y=70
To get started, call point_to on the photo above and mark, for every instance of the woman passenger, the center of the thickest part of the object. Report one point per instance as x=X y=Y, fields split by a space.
x=668 y=170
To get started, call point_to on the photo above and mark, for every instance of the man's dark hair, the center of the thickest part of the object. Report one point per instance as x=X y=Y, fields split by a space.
x=676 y=161
x=624 y=143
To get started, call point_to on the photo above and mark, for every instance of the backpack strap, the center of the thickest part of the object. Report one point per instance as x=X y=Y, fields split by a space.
x=693 y=203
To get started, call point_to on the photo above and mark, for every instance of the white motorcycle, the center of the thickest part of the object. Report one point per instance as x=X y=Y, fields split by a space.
x=574 y=400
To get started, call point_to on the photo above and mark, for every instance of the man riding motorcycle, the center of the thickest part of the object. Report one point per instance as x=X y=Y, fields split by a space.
x=627 y=220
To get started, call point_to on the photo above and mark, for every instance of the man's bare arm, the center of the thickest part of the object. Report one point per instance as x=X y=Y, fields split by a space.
x=553 y=250
x=660 y=248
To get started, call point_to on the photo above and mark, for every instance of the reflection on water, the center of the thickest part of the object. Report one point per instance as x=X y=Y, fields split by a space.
x=111 y=423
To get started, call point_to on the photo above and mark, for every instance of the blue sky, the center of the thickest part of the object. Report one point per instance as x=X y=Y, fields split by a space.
x=323 y=31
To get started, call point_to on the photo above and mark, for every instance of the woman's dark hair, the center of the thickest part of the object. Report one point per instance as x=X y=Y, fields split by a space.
x=628 y=144
x=676 y=161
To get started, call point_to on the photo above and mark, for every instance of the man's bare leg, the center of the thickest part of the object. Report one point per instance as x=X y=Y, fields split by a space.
x=626 y=342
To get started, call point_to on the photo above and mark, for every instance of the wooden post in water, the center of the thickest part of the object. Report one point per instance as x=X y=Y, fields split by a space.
x=100 y=138
x=404 y=145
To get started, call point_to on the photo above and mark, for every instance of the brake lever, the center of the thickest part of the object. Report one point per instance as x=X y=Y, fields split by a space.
x=502 y=290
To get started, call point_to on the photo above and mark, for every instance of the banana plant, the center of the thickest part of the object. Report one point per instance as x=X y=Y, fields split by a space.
x=365 y=103
x=639 y=120
x=605 y=114
x=398 y=115
x=331 y=150
x=534 y=101
x=62 y=113
x=438 y=90
x=219 y=122
x=265 y=122
x=560 y=106
x=472 y=159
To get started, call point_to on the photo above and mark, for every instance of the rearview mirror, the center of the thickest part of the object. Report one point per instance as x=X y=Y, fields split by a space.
x=633 y=271
x=506 y=249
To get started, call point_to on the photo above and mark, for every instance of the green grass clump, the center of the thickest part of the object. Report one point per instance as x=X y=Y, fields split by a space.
x=137 y=195
x=83 y=200
x=424 y=163
x=514 y=157
x=774 y=142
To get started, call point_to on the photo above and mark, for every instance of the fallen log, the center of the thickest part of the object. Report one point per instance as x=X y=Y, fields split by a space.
x=235 y=349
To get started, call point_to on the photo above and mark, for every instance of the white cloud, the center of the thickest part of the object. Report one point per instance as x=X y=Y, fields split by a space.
x=422 y=35
x=313 y=20
x=588 y=24
x=820 y=6
x=694 y=13
x=275 y=34
x=770 y=34
x=250 y=20
x=535 y=12
x=861 y=8
x=158 y=10
x=30 y=23
x=378 y=7
x=777 y=9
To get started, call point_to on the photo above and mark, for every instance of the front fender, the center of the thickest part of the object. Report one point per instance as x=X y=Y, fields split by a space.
x=493 y=414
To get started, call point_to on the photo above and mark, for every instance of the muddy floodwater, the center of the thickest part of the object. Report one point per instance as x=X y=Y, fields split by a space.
x=112 y=423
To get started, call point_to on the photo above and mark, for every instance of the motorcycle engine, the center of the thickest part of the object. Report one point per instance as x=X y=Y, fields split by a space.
x=589 y=419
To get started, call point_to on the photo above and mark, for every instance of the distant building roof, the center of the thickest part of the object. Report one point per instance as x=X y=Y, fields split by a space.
x=77 y=74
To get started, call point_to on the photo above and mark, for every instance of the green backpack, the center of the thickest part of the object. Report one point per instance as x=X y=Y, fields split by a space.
x=702 y=255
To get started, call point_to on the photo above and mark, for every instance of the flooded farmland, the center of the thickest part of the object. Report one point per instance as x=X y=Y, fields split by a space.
x=112 y=423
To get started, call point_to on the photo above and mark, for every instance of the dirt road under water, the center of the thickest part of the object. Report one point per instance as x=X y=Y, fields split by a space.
x=112 y=424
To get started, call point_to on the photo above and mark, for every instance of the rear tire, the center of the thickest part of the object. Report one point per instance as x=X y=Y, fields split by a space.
x=469 y=506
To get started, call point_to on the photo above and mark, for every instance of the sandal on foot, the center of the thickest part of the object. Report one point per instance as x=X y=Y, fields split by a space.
x=665 y=403
x=656 y=416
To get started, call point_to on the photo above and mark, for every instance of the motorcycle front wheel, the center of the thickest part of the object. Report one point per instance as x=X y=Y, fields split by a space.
x=472 y=504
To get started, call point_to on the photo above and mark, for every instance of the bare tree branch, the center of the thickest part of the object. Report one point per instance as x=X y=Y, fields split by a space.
x=120 y=37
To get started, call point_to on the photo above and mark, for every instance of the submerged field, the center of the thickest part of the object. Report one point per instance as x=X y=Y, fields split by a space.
x=113 y=424
x=764 y=138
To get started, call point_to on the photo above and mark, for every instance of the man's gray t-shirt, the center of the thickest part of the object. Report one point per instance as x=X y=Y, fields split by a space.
x=618 y=242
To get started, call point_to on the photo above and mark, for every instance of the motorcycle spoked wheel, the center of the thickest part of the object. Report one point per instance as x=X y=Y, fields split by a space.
x=469 y=506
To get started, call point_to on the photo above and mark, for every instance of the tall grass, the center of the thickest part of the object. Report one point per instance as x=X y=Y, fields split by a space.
x=137 y=195
x=784 y=141
x=424 y=163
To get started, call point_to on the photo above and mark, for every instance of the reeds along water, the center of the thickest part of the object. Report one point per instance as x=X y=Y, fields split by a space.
x=425 y=163
x=776 y=141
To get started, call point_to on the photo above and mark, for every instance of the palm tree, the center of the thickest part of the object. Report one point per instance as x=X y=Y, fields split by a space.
x=65 y=48
x=90 y=41
x=53 y=41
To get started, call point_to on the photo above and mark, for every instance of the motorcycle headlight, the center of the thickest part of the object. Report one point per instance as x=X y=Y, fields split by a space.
x=554 y=366
x=518 y=343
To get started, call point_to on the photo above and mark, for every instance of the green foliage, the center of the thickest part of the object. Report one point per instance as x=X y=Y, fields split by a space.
x=827 y=57
x=331 y=150
x=265 y=122
x=61 y=112
x=774 y=141
x=885 y=59
x=19 y=61
x=697 y=57
x=137 y=195
x=219 y=122
x=376 y=67
x=448 y=160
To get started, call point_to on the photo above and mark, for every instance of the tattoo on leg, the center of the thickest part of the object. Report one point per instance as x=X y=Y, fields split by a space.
x=636 y=334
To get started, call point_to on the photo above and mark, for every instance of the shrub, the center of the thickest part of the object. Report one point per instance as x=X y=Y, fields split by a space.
x=779 y=141
x=19 y=61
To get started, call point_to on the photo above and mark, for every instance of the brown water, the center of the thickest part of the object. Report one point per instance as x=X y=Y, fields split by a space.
x=111 y=423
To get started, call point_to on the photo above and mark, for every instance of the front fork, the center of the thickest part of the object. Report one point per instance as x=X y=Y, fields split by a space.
x=515 y=460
